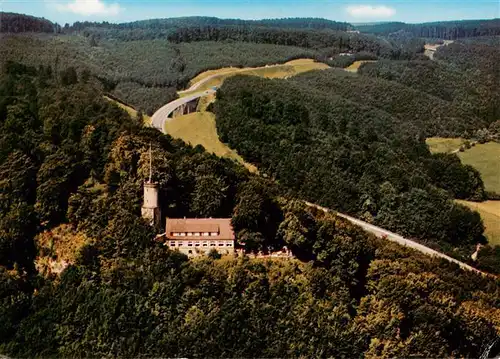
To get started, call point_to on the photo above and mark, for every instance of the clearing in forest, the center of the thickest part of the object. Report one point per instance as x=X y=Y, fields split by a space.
x=211 y=78
x=354 y=67
x=490 y=213
x=486 y=159
x=199 y=128
x=130 y=110
x=444 y=145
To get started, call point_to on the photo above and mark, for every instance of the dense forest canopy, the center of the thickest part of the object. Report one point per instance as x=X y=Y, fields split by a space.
x=16 y=23
x=352 y=144
x=467 y=76
x=81 y=274
x=200 y=21
x=73 y=163
x=449 y=30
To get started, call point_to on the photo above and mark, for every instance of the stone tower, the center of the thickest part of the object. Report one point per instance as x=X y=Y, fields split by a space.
x=150 y=206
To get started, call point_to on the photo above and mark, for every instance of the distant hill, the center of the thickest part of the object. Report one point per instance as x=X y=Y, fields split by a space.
x=449 y=30
x=196 y=21
x=15 y=23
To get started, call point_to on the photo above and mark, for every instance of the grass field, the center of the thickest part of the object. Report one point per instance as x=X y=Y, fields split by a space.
x=444 y=145
x=486 y=159
x=490 y=213
x=288 y=69
x=131 y=111
x=199 y=128
x=356 y=64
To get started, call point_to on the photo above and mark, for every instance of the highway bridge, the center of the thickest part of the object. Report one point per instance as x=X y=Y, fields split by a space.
x=180 y=106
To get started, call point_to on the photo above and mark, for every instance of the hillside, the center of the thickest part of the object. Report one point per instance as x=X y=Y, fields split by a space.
x=465 y=74
x=83 y=274
x=448 y=30
x=72 y=167
x=146 y=73
x=144 y=63
x=428 y=114
x=18 y=23
x=344 y=155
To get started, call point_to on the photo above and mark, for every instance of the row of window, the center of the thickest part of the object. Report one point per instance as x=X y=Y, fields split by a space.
x=197 y=244
x=195 y=234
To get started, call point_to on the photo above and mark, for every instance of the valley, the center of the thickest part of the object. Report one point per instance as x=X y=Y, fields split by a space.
x=199 y=128
x=276 y=142
x=214 y=78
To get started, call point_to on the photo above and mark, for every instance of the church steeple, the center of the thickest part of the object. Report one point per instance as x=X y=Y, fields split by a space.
x=150 y=207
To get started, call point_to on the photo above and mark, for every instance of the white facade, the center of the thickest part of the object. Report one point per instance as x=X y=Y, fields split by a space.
x=194 y=247
x=150 y=209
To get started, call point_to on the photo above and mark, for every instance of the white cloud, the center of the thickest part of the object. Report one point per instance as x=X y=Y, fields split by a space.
x=90 y=7
x=368 y=11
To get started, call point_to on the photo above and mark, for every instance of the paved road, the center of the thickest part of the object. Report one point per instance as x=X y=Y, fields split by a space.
x=431 y=49
x=382 y=233
x=197 y=85
x=161 y=116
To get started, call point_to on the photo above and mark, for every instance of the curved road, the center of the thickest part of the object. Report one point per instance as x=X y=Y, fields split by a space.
x=196 y=85
x=161 y=116
x=383 y=233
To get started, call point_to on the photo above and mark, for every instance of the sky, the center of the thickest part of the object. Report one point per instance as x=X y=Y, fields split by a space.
x=412 y=11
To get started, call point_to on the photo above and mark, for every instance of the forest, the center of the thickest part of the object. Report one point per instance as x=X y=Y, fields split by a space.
x=465 y=75
x=16 y=23
x=180 y=48
x=201 y=21
x=81 y=273
x=448 y=30
x=356 y=155
x=145 y=63
x=146 y=82
x=71 y=160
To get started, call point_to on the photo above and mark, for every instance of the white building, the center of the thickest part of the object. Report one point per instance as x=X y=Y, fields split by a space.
x=198 y=236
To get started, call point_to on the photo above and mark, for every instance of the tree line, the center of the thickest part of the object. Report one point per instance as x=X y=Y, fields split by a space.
x=329 y=41
x=16 y=23
x=448 y=30
x=200 y=21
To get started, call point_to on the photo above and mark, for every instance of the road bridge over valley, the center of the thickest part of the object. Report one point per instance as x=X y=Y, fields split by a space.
x=181 y=106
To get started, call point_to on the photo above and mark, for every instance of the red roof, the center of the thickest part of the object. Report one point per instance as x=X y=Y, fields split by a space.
x=221 y=226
